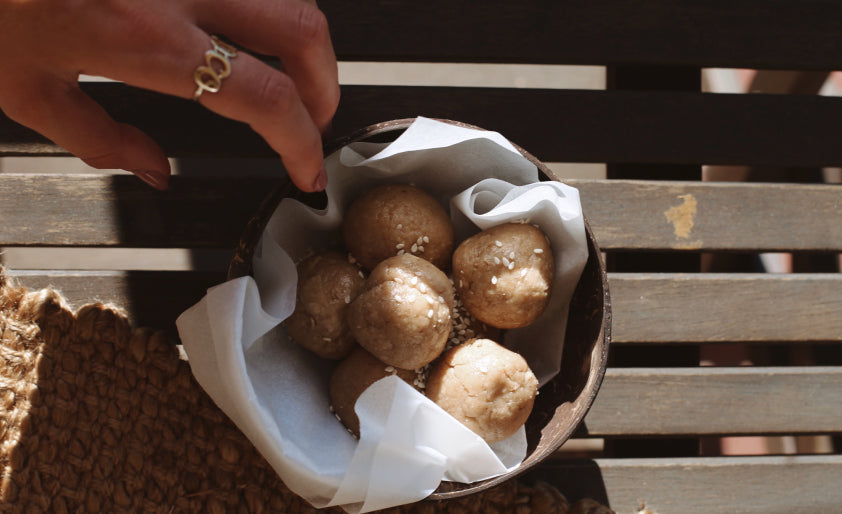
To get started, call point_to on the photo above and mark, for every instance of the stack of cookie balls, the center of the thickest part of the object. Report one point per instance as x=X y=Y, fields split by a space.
x=391 y=308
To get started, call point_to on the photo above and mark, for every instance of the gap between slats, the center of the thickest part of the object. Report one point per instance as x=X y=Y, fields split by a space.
x=554 y=125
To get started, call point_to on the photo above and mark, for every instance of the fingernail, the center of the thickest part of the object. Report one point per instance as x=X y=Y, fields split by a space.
x=321 y=180
x=154 y=179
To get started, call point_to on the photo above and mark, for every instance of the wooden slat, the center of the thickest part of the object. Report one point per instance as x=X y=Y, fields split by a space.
x=119 y=210
x=665 y=308
x=151 y=298
x=708 y=400
x=101 y=210
x=741 y=33
x=718 y=307
x=554 y=125
x=759 y=485
x=637 y=215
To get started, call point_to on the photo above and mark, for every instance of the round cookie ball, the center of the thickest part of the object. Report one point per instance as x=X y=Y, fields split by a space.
x=353 y=376
x=394 y=219
x=485 y=386
x=327 y=284
x=503 y=274
x=403 y=314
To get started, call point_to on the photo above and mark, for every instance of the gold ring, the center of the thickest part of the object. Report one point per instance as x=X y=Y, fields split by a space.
x=209 y=76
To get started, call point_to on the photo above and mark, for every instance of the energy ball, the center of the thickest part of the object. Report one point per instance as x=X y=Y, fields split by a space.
x=327 y=284
x=396 y=219
x=403 y=314
x=503 y=274
x=485 y=386
x=353 y=376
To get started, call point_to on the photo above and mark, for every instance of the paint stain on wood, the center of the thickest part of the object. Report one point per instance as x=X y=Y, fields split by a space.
x=683 y=217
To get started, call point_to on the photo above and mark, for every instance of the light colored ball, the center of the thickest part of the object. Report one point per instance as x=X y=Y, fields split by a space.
x=503 y=274
x=488 y=388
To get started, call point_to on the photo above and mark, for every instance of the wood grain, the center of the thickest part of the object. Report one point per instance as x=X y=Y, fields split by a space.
x=150 y=298
x=665 y=308
x=103 y=210
x=554 y=125
x=758 y=485
x=725 y=307
x=713 y=400
x=638 y=215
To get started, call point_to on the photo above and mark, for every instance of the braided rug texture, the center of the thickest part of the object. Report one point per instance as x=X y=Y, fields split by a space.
x=97 y=417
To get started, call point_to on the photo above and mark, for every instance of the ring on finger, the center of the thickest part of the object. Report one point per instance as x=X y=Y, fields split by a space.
x=217 y=66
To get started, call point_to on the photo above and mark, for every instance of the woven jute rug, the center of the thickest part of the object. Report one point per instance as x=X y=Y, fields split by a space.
x=98 y=417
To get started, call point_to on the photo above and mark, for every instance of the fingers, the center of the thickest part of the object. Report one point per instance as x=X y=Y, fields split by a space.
x=60 y=111
x=293 y=30
x=269 y=102
x=252 y=92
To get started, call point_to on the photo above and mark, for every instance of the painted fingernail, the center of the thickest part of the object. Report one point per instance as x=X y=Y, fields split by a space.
x=321 y=180
x=156 y=180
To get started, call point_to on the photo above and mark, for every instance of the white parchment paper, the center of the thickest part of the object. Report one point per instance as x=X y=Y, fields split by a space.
x=277 y=392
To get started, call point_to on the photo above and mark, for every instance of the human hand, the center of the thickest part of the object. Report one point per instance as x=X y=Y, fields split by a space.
x=157 y=45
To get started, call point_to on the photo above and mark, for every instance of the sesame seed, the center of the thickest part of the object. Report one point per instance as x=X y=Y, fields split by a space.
x=326 y=339
x=493 y=280
x=498 y=243
x=511 y=265
x=420 y=240
x=330 y=407
x=421 y=249
x=414 y=248
x=460 y=282
x=413 y=280
x=506 y=261
x=390 y=369
x=430 y=313
x=429 y=300
x=426 y=239
x=496 y=260
x=401 y=252
x=335 y=415
x=523 y=272
x=441 y=299
x=512 y=255
x=361 y=274
x=422 y=287
x=399 y=226
x=538 y=250
x=351 y=259
x=399 y=246
x=347 y=298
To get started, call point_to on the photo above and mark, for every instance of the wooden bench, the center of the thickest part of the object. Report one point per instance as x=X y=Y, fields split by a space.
x=658 y=410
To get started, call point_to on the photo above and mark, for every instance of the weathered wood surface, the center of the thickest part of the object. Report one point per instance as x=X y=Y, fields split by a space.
x=632 y=215
x=714 y=400
x=554 y=125
x=103 y=210
x=741 y=33
x=663 y=308
x=150 y=298
x=119 y=210
x=727 y=485
x=725 y=307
